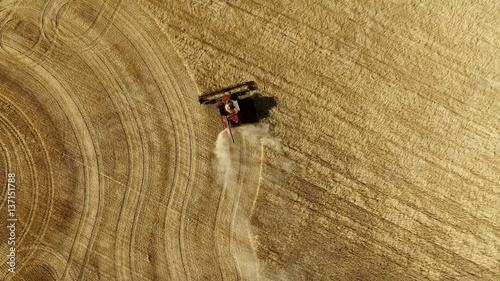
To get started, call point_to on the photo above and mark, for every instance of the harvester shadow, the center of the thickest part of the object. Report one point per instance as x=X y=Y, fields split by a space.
x=255 y=108
x=263 y=105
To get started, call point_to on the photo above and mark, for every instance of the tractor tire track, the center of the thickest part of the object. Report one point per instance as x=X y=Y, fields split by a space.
x=35 y=181
x=171 y=103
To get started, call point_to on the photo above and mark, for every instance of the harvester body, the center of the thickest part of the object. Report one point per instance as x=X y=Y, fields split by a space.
x=228 y=101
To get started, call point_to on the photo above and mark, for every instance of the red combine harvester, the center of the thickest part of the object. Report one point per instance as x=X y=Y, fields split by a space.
x=235 y=104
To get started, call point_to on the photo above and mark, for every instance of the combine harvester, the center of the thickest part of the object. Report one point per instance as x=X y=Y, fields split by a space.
x=236 y=106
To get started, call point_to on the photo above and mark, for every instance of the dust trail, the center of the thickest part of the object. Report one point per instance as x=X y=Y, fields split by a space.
x=239 y=167
x=222 y=152
x=255 y=135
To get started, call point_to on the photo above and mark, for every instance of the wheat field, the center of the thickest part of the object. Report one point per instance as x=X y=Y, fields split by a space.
x=378 y=160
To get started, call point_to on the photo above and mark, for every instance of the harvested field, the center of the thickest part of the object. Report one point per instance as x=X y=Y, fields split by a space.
x=379 y=159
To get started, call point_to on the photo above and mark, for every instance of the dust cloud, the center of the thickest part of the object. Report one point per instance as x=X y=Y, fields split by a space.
x=249 y=136
x=240 y=165
x=223 y=155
